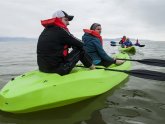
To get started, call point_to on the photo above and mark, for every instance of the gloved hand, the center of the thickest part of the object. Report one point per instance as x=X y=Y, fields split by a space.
x=92 y=67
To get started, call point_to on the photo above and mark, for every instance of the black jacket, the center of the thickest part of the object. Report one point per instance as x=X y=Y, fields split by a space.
x=50 y=47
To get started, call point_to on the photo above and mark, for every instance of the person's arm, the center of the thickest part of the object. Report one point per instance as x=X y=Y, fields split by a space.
x=101 y=51
x=70 y=40
x=120 y=42
x=125 y=44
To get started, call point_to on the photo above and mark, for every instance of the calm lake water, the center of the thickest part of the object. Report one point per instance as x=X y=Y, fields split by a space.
x=134 y=101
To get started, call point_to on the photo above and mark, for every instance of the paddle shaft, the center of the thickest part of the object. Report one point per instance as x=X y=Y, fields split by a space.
x=146 y=74
x=114 y=44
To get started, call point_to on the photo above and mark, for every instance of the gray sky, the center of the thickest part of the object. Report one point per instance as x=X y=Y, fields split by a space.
x=143 y=19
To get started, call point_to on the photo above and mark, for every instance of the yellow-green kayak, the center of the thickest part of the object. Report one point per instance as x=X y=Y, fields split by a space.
x=35 y=90
x=131 y=49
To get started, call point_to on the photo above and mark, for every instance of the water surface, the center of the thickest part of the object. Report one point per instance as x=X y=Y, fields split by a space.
x=134 y=101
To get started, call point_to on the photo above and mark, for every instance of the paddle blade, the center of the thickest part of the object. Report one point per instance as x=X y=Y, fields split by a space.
x=154 y=62
x=147 y=74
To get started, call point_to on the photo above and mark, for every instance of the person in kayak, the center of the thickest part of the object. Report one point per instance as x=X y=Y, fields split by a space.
x=137 y=43
x=94 y=46
x=123 y=39
x=127 y=43
x=53 y=45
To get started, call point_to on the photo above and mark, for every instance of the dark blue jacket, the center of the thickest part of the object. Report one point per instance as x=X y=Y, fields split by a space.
x=94 y=48
x=128 y=43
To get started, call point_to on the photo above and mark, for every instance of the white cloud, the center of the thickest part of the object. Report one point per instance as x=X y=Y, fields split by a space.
x=136 y=18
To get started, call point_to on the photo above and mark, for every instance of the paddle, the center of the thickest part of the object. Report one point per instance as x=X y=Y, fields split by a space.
x=154 y=62
x=120 y=45
x=141 y=73
x=113 y=43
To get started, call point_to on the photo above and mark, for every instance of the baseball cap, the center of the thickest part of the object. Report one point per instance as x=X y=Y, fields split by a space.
x=60 y=14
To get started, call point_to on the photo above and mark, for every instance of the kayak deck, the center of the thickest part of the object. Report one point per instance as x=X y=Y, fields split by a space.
x=131 y=49
x=36 y=90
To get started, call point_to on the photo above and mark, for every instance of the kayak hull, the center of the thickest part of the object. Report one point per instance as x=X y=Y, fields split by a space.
x=139 y=45
x=35 y=90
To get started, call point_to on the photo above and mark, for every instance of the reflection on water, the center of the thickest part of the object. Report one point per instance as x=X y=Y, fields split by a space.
x=135 y=101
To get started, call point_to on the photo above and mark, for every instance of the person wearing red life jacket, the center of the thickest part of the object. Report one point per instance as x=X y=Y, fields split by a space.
x=94 y=47
x=123 y=39
x=53 y=44
x=127 y=43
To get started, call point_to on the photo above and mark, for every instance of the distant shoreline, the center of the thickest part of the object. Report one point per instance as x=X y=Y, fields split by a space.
x=2 y=39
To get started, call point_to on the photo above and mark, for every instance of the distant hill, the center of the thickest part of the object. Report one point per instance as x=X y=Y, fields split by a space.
x=3 y=39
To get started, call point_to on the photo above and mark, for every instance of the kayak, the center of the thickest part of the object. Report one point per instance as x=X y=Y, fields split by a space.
x=131 y=49
x=35 y=90
x=139 y=45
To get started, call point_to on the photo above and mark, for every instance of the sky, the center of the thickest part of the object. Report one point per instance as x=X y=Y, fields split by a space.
x=143 y=19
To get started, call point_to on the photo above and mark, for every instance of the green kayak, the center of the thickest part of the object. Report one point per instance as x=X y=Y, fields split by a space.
x=131 y=49
x=35 y=90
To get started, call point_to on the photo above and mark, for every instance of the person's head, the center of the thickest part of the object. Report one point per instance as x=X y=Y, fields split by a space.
x=137 y=40
x=65 y=18
x=128 y=39
x=96 y=27
x=124 y=37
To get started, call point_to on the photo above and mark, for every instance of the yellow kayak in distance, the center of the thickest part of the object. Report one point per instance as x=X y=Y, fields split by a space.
x=131 y=50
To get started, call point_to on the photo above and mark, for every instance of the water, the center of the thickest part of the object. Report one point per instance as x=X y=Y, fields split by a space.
x=134 y=101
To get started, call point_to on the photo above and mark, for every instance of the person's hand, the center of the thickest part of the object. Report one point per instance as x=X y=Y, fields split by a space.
x=92 y=67
x=119 y=62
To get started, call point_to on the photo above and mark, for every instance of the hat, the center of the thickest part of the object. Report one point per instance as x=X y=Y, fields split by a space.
x=60 y=14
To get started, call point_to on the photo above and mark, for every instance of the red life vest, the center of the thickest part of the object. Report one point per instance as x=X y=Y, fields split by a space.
x=94 y=33
x=59 y=23
x=123 y=40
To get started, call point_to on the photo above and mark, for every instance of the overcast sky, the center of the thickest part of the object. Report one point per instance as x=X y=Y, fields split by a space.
x=143 y=19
